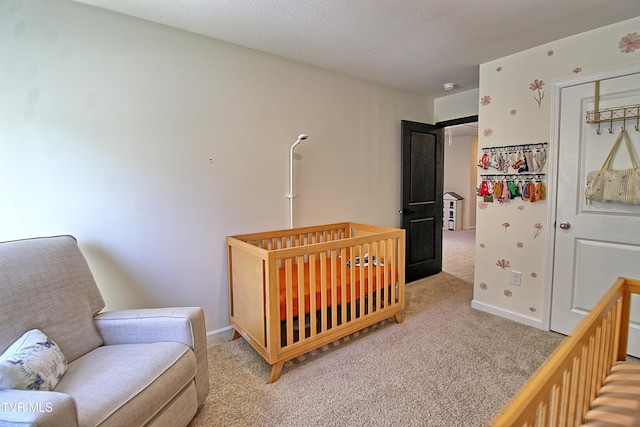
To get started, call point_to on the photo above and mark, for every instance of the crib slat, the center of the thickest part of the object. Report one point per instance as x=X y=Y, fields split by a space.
x=379 y=274
x=393 y=278
x=343 y=285
x=602 y=359
x=313 y=319
x=334 y=291
x=397 y=268
x=388 y=278
x=385 y=276
x=554 y=405
x=289 y=298
x=302 y=320
x=352 y=286
x=543 y=410
x=582 y=399
x=564 y=398
x=363 y=274
x=591 y=389
x=595 y=369
x=372 y=278
x=362 y=305
x=610 y=357
x=323 y=290
x=573 y=397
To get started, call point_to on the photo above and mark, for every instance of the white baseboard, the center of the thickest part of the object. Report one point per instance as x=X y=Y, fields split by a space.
x=487 y=308
x=219 y=335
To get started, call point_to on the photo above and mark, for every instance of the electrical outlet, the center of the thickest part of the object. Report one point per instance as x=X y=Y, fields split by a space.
x=516 y=278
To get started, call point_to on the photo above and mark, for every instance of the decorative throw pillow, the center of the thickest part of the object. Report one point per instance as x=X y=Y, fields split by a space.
x=33 y=362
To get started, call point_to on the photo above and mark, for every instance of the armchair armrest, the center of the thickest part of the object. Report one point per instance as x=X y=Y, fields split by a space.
x=43 y=408
x=149 y=325
x=137 y=326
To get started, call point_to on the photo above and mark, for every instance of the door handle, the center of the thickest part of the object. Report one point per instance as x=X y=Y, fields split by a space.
x=406 y=211
x=565 y=225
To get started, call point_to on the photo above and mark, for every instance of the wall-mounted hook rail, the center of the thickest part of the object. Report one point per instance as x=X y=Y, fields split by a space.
x=513 y=177
x=515 y=148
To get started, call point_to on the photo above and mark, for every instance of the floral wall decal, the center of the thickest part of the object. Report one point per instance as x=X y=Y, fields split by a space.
x=629 y=43
x=520 y=245
x=508 y=293
x=513 y=112
x=483 y=286
x=485 y=100
x=532 y=309
x=506 y=226
x=577 y=70
x=503 y=263
x=537 y=85
x=499 y=69
x=488 y=132
x=550 y=53
x=537 y=229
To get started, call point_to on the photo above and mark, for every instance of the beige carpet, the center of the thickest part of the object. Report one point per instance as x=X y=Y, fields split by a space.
x=458 y=253
x=445 y=365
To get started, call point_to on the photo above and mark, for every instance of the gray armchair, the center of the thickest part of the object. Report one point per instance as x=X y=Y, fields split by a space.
x=123 y=368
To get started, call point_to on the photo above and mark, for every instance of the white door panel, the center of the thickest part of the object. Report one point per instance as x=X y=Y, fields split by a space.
x=603 y=239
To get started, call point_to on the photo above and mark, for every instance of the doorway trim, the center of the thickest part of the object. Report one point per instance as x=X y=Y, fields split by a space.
x=460 y=121
x=553 y=152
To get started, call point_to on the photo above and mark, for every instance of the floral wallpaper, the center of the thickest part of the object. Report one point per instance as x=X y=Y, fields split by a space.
x=514 y=110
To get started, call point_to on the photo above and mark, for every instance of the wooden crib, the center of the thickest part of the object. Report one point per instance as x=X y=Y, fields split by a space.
x=351 y=276
x=587 y=380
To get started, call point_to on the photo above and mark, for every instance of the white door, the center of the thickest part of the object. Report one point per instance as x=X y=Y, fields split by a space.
x=602 y=241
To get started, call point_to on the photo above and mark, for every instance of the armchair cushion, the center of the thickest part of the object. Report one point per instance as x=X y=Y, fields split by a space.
x=33 y=362
x=123 y=384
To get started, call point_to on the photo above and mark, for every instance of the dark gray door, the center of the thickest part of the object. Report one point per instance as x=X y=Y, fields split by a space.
x=422 y=188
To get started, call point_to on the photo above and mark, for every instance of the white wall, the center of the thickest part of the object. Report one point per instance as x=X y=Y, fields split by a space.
x=513 y=113
x=460 y=174
x=150 y=145
x=456 y=106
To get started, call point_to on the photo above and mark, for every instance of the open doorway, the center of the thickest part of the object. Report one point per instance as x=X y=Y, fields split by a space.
x=458 y=237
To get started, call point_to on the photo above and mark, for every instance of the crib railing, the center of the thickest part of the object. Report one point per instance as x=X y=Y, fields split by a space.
x=560 y=392
x=291 y=238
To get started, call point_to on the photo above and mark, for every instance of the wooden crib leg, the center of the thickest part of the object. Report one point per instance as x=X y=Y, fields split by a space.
x=398 y=317
x=275 y=372
x=235 y=335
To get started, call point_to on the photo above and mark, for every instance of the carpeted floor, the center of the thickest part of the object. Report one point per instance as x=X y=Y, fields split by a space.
x=445 y=365
x=459 y=254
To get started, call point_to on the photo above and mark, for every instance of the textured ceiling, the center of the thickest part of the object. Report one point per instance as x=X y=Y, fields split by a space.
x=412 y=45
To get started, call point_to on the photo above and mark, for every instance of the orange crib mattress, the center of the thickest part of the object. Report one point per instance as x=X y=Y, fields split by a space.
x=317 y=288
